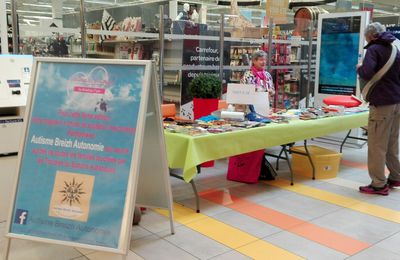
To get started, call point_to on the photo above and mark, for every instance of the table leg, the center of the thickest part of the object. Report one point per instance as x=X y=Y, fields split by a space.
x=344 y=141
x=310 y=159
x=289 y=164
x=196 y=194
x=279 y=157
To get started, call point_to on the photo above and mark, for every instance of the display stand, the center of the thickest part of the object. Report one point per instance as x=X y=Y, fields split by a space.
x=80 y=189
x=340 y=45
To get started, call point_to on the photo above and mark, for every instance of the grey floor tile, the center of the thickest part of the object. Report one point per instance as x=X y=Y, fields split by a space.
x=206 y=207
x=299 y=206
x=385 y=201
x=215 y=182
x=183 y=191
x=344 y=191
x=395 y=194
x=375 y=253
x=85 y=251
x=391 y=244
x=247 y=224
x=360 y=226
x=80 y=258
x=357 y=177
x=154 y=247
x=195 y=243
x=231 y=255
x=154 y=222
x=139 y=232
x=24 y=250
x=108 y=256
x=303 y=247
x=258 y=192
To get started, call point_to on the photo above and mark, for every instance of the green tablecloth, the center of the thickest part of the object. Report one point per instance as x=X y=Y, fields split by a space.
x=186 y=152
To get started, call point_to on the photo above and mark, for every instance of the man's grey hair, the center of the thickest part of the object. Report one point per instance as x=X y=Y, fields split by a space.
x=374 y=29
x=258 y=54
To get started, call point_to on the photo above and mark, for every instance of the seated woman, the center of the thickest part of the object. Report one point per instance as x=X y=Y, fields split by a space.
x=258 y=76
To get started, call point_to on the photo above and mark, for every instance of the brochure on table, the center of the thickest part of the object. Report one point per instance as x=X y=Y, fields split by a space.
x=83 y=153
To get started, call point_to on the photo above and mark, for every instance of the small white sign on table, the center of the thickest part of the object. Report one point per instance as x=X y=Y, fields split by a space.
x=245 y=94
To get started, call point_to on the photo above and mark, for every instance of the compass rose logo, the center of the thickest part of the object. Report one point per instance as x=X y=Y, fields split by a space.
x=72 y=192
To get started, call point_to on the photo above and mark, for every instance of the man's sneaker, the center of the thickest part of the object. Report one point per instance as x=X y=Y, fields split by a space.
x=393 y=184
x=373 y=190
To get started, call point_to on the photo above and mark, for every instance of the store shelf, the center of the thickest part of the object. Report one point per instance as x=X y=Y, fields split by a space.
x=101 y=54
x=136 y=40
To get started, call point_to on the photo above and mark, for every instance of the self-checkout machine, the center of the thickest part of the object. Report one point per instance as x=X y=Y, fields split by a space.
x=340 y=47
x=14 y=84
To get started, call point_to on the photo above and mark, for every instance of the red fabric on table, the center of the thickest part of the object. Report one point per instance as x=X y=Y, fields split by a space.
x=346 y=101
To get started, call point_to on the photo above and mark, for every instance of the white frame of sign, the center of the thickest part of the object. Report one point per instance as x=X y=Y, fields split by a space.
x=149 y=91
x=318 y=97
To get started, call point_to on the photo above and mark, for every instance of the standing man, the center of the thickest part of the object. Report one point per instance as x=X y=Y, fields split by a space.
x=384 y=117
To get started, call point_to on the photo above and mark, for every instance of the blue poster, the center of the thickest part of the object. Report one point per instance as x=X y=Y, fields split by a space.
x=78 y=151
x=340 y=41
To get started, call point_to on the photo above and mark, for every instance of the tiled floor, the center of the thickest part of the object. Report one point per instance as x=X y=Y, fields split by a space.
x=322 y=219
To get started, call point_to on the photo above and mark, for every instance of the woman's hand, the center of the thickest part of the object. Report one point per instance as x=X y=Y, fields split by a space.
x=271 y=92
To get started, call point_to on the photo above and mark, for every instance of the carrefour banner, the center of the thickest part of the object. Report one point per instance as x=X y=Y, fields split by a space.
x=80 y=151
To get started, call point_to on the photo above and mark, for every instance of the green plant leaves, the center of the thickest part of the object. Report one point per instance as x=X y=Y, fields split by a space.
x=205 y=86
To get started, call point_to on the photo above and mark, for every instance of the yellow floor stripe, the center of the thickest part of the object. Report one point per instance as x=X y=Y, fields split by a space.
x=343 y=201
x=258 y=250
x=227 y=235
x=222 y=232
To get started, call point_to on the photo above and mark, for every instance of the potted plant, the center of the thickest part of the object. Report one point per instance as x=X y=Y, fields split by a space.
x=205 y=90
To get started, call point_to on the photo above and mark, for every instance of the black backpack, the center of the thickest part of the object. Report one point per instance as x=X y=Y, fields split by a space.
x=267 y=172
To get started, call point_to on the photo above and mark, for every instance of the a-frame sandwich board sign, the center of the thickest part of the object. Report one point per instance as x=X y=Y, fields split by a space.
x=92 y=133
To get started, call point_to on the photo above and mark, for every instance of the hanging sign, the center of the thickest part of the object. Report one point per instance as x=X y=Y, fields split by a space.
x=80 y=157
x=277 y=9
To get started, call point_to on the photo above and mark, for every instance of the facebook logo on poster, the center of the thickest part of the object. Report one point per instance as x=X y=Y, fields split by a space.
x=21 y=217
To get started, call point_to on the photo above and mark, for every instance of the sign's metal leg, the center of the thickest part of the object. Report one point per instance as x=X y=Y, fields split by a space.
x=7 y=248
x=171 y=219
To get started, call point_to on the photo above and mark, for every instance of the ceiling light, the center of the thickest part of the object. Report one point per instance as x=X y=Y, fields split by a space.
x=32 y=12
x=100 y=2
x=37 y=5
x=29 y=21
x=38 y=17
x=47 y=6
